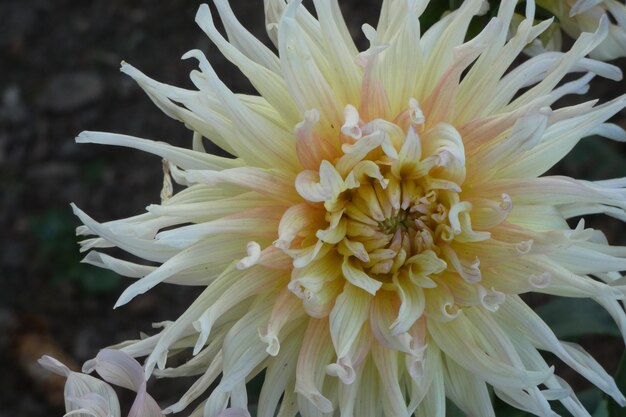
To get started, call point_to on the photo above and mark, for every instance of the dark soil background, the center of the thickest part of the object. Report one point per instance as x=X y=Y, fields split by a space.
x=59 y=75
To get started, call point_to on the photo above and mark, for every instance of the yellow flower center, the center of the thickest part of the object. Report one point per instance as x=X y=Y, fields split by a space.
x=387 y=207
x=389 y=221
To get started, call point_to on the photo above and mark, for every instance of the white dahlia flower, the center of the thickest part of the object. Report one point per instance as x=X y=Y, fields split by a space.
x=367 y=245
x=578 y=16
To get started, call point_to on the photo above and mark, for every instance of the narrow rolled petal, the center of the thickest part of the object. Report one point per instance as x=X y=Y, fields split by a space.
x=184 y=158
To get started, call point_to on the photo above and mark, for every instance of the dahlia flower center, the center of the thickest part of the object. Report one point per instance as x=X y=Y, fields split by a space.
x=398 y=220
x=389 y=221
x=386 y=206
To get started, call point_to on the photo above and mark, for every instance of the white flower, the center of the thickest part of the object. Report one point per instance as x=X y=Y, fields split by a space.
x=368 y=244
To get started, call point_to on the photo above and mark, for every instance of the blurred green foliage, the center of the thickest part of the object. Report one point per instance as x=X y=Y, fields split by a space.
x=570 y=318
x=614 y=410
x=57 y=242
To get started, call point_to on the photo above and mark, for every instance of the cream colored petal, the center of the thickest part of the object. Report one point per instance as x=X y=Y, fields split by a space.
x=445 y=143
x=374 y=98
x=144 y=248
x=467 y=391
x=584 y=44
x=184 y=158
x=412 y=304
x=356 y=276
x=410 y=152
x=243 y=350
x=280 y=373
x=368 y=404
x=209 y=357
x=525 y=135
x=540 y=217
x=256 y=140
x=298 y=220
x=143 y=226
x=383 y=310
x=440 y=104
x=307 y=85
x=204 y=211
x=243 y=40
x=288 y=404
x=533 y=403
x=346 y=320
x=263 y=221
x=439 y=41
x=317 y=292
x=487 y=214
x=199 y=112
x=287 y=307
x=346 y=368
x=406 y=22
x=532 y=400
x=433 y=403
x=231 y=298
x=518 y=315
x=393 y=401
x=269 y=182
x=257 y=63
x=311 y=147
x=566 y=274
x=205 y=252
x=340 y=50
x=119 y=266
x=314 y=355
x=348 y=395
x=316 y=274
x=231 y=279
x=558 y=140
x=562 y=190
x=582 y=260
x=476 y=90
x=440 y=305
x=200 y=385
x=466 y=267
x=459 y=340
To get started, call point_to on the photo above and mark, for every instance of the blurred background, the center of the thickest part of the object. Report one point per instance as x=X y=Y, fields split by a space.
x=59 y=62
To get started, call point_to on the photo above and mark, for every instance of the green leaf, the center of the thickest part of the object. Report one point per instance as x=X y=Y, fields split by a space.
x=57 y=244
x=97 y=280
x=615 y=410
x=503 y=409
x=433 y=13
x=591 y=399
x=452 y=410
x=574 y=317
x=602 y=410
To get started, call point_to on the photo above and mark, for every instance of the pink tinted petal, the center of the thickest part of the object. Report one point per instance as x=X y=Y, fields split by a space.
x=119 y=368
x=84 y=394
x=145 y=406
x=312 y=148
x=92 y=404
